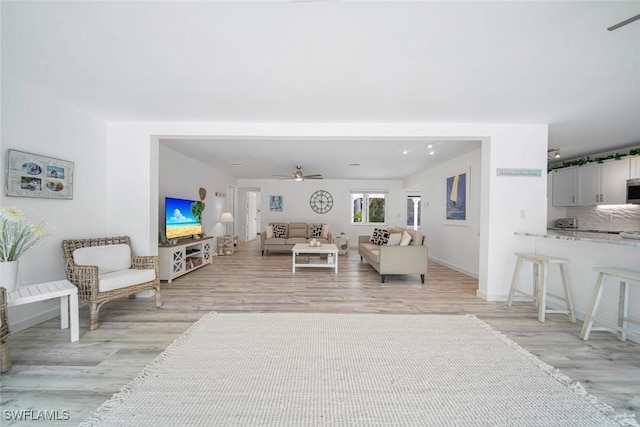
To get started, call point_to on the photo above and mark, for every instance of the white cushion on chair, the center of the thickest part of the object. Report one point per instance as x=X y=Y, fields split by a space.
x=108 y=258
x=124 y=278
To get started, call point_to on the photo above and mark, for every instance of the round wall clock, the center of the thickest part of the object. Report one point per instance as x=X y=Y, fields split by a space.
x=321 y=201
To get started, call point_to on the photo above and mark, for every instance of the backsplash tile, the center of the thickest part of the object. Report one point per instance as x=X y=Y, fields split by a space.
x=607 y=217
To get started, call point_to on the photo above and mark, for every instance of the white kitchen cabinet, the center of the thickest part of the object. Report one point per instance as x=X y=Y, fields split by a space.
x=603 y=183
x=634 y=168
x=589 y=188
x=564 y=184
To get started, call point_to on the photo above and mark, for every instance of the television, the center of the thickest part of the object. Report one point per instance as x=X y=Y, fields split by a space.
x=183 y=217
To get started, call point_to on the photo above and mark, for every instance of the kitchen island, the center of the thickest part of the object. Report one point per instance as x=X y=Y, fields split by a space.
x=586 y=250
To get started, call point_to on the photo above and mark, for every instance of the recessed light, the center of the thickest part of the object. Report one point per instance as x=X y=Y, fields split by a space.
x=405 y=152
x=430 y=146
x=431 y=153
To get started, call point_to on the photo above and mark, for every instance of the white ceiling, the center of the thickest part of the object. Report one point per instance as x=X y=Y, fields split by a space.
x=363 y=158
x=338 y=62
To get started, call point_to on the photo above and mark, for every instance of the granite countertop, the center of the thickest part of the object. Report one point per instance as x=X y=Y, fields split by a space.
x=584 y=236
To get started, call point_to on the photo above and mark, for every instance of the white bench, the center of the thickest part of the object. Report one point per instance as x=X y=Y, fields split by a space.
x=540 y=293
x=62 y=289
x=623 y=276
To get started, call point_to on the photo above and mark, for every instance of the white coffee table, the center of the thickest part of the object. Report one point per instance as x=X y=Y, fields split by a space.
x=324 y=249
x=62 y=289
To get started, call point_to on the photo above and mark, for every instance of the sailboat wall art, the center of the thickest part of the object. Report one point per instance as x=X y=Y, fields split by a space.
x=457 y=197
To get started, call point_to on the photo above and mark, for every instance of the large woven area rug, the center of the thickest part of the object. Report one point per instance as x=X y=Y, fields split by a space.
x=304 y=369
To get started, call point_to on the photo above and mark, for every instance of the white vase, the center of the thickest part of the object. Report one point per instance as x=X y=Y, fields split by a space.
x=9 y=275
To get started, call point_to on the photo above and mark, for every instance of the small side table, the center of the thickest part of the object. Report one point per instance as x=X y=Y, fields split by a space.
x=342 y=242
x=62 y=289
x=226 y=244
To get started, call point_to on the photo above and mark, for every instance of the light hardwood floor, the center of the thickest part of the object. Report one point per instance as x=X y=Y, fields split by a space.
x=50 y=373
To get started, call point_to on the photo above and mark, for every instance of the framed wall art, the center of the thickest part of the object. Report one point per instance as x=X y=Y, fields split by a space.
x=33 y=175
x=275 y=203
x=457 y=197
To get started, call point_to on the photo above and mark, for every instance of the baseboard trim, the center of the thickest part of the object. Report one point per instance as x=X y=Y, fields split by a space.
x=455 y=267
x=34 y=320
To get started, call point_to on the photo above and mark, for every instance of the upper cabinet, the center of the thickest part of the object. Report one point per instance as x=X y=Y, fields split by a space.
x=604 y=183
x=592 y=184
x=615 y=174
x=564 y=184
x=635 y=167
x=590 y=190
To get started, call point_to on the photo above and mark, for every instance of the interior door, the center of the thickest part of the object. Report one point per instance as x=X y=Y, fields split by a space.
x=251 y=216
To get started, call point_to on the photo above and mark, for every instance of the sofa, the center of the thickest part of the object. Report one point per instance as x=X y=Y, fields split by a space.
x=282 y=236
x=395 y=251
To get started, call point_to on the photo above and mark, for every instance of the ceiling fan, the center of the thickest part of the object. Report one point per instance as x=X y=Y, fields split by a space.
x=299 y=176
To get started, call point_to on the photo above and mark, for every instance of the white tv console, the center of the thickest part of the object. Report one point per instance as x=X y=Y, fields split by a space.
x=183 y=257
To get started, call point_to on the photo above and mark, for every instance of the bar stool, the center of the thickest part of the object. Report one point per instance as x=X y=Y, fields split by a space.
x=622 y=275
x=540 y=294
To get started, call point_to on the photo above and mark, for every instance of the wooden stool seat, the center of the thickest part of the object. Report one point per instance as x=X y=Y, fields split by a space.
x=540 y=293
x=623 y=275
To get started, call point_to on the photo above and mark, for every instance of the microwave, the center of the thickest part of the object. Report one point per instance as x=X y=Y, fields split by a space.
x=633 y=190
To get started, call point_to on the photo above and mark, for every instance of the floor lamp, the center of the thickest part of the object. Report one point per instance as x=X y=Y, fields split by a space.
x=226 y=218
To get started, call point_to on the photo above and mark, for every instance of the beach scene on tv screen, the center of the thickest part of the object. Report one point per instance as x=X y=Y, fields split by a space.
x=180 y=218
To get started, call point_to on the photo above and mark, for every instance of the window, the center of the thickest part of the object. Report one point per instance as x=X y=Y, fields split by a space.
x=368 y=208
x=413 y=212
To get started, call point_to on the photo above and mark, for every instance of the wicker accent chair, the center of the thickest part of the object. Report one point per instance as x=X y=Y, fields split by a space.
x=88 y=277
x=5 y=357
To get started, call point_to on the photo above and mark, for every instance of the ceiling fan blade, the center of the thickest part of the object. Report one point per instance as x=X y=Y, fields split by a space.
x=623 y=23
x=313 y=176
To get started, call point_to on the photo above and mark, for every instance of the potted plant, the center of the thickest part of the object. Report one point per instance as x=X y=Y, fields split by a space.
x=17 y=235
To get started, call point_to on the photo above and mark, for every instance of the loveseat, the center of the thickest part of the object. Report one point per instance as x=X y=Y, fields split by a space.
x=395 y=251
x=282 y=236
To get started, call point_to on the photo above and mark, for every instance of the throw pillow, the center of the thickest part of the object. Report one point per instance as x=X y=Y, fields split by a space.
x=406 y=239
x=380 y=236
x=416 y=237
x=394 y=239
x=316 y=230
x=269 y=231
x=280 y=231
x=325 y=231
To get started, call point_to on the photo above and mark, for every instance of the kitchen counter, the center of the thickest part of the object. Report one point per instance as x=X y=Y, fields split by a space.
x=584 y=251
x=586 y=236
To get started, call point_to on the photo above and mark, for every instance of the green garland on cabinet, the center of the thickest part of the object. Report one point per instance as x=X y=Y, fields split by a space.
x=585 y=160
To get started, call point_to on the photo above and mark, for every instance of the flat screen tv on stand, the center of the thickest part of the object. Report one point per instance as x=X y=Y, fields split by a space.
x=183 y=218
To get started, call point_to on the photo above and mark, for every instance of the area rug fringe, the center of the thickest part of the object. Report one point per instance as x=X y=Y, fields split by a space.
x=627 y=420
x=118 y=398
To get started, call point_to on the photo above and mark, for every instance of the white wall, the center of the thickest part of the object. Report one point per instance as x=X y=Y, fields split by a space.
x=181 y=176
x=457 y=246
x=38 y=123
x=509 y=203
x=296 y=206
